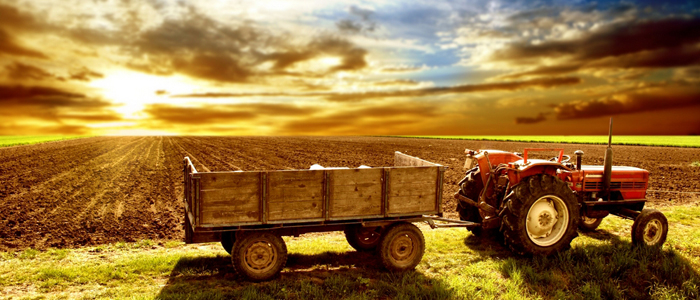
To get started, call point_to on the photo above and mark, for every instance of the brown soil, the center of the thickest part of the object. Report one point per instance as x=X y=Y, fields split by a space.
x=108 y=189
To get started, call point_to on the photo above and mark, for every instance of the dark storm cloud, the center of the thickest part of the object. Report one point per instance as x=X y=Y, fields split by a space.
x=527 y=120
x=223 y=113
x=349 y=26
x=51 y=104
x=364 y=24
x=459 y=89
x=644 y=99
x=638 y=44
x=9 y=46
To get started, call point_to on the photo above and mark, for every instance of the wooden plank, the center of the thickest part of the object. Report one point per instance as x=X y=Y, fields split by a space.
x=222 y=198
x=413 y=175
x=404 y=160
x=224 y=180
x=355 y=192
x=295 y=210
x=295 y=195
x=412 y=190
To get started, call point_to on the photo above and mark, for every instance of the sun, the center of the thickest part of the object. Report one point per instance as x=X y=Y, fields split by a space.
x=132 y=91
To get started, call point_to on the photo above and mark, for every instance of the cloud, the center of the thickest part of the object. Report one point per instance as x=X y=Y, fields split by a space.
x=85 y=74
x=9 y=46
x=527 y=120
x=396 y=82
x=223 y=113
x=660 y=43
x=643 y=99
x=21 y=72
x=364 y=24
x=459 y=89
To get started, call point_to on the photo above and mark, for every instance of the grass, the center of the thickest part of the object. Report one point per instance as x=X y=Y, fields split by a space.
x=16 y=140
x=456 y=265
x=642 y=140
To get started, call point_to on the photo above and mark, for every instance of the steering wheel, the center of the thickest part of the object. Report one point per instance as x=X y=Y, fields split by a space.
x=564 y=159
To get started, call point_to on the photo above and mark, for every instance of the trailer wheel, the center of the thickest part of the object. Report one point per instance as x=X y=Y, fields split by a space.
x=259 y=256
x=401 y=247
x=650 y=228
x=589 y=224
x=363 y=238
x=471 y=188
x=227 y=239
x=541 y=216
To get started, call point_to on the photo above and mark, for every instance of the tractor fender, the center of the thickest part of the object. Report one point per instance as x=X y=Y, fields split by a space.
x=541 y=167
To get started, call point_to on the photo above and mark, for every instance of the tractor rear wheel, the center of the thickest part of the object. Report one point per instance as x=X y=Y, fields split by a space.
x=401 y=247
x=471 y=188
x=259 y=256
x=541 y=216
x=589 y=224
x=650 y=228
x=363 y=238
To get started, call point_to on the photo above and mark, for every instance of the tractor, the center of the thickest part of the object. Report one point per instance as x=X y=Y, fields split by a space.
x=538 y=205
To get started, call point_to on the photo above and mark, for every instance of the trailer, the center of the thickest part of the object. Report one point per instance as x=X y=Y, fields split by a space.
x=249 y=211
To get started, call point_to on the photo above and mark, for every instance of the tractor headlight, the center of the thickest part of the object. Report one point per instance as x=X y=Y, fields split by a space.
x=470 y=163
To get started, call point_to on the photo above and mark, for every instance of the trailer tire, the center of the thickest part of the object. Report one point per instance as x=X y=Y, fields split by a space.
x=589 y=224
x=540 y=217
x=401 y=247
x=471 y=188
x=363 y=239
x=259 y=256
x=650 y=229
x=227 y=240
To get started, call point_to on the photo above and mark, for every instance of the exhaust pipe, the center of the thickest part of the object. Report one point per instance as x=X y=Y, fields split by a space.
x=607 y=169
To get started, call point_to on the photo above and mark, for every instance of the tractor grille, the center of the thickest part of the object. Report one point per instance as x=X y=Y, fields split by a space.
x=615 y=185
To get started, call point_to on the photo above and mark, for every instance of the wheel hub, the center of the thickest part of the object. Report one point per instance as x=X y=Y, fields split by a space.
x=547 y=220
x=542 y=218
x=402 y=248
x=652 y=232
x=260 y=256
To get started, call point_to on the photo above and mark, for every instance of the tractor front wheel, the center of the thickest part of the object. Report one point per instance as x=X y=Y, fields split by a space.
x=650 y=228
x=589 y=224
x=259 y=256
x=401 y=247
x=541 y=216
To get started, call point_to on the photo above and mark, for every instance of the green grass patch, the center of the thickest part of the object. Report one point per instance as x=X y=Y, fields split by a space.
x=16 y=140
x=641 y=140
x=456 y=265
x=695 y=164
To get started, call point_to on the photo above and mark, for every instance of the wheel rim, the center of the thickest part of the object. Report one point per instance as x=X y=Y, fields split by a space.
x=260 y=256
x=652 y=232
x=547 y=220
x=588 y=221
x=367 y=236
x=403 y=249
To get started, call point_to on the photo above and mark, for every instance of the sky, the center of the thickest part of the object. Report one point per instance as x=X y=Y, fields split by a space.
x=477 y=67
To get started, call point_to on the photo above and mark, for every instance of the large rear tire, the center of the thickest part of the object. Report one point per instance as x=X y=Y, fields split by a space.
x=401 y=247
x=259 y=256
x=471 y=188
x=650 y=229
x=541 y=216
x=363 y=238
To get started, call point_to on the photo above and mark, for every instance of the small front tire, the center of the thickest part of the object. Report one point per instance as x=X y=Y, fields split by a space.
x=650 y=229
x=259 y=256
x=401 y=247
x=589 y=224
x=363 y=238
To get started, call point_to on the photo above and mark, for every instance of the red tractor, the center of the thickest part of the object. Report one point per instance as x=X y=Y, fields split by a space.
x=538 y=204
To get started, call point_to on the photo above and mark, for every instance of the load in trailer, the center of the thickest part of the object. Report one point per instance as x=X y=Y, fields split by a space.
x=248 y=212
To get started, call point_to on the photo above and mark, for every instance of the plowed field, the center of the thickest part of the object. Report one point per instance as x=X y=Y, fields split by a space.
x=107 y=189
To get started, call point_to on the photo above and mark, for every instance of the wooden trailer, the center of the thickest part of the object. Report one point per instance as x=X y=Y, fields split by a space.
x=375 y=207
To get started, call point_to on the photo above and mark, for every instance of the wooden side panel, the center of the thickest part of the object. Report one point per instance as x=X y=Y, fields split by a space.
x=355 y=192
x=295 y=195
x=230 y=197
x=403 y=160
x=413 y=190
